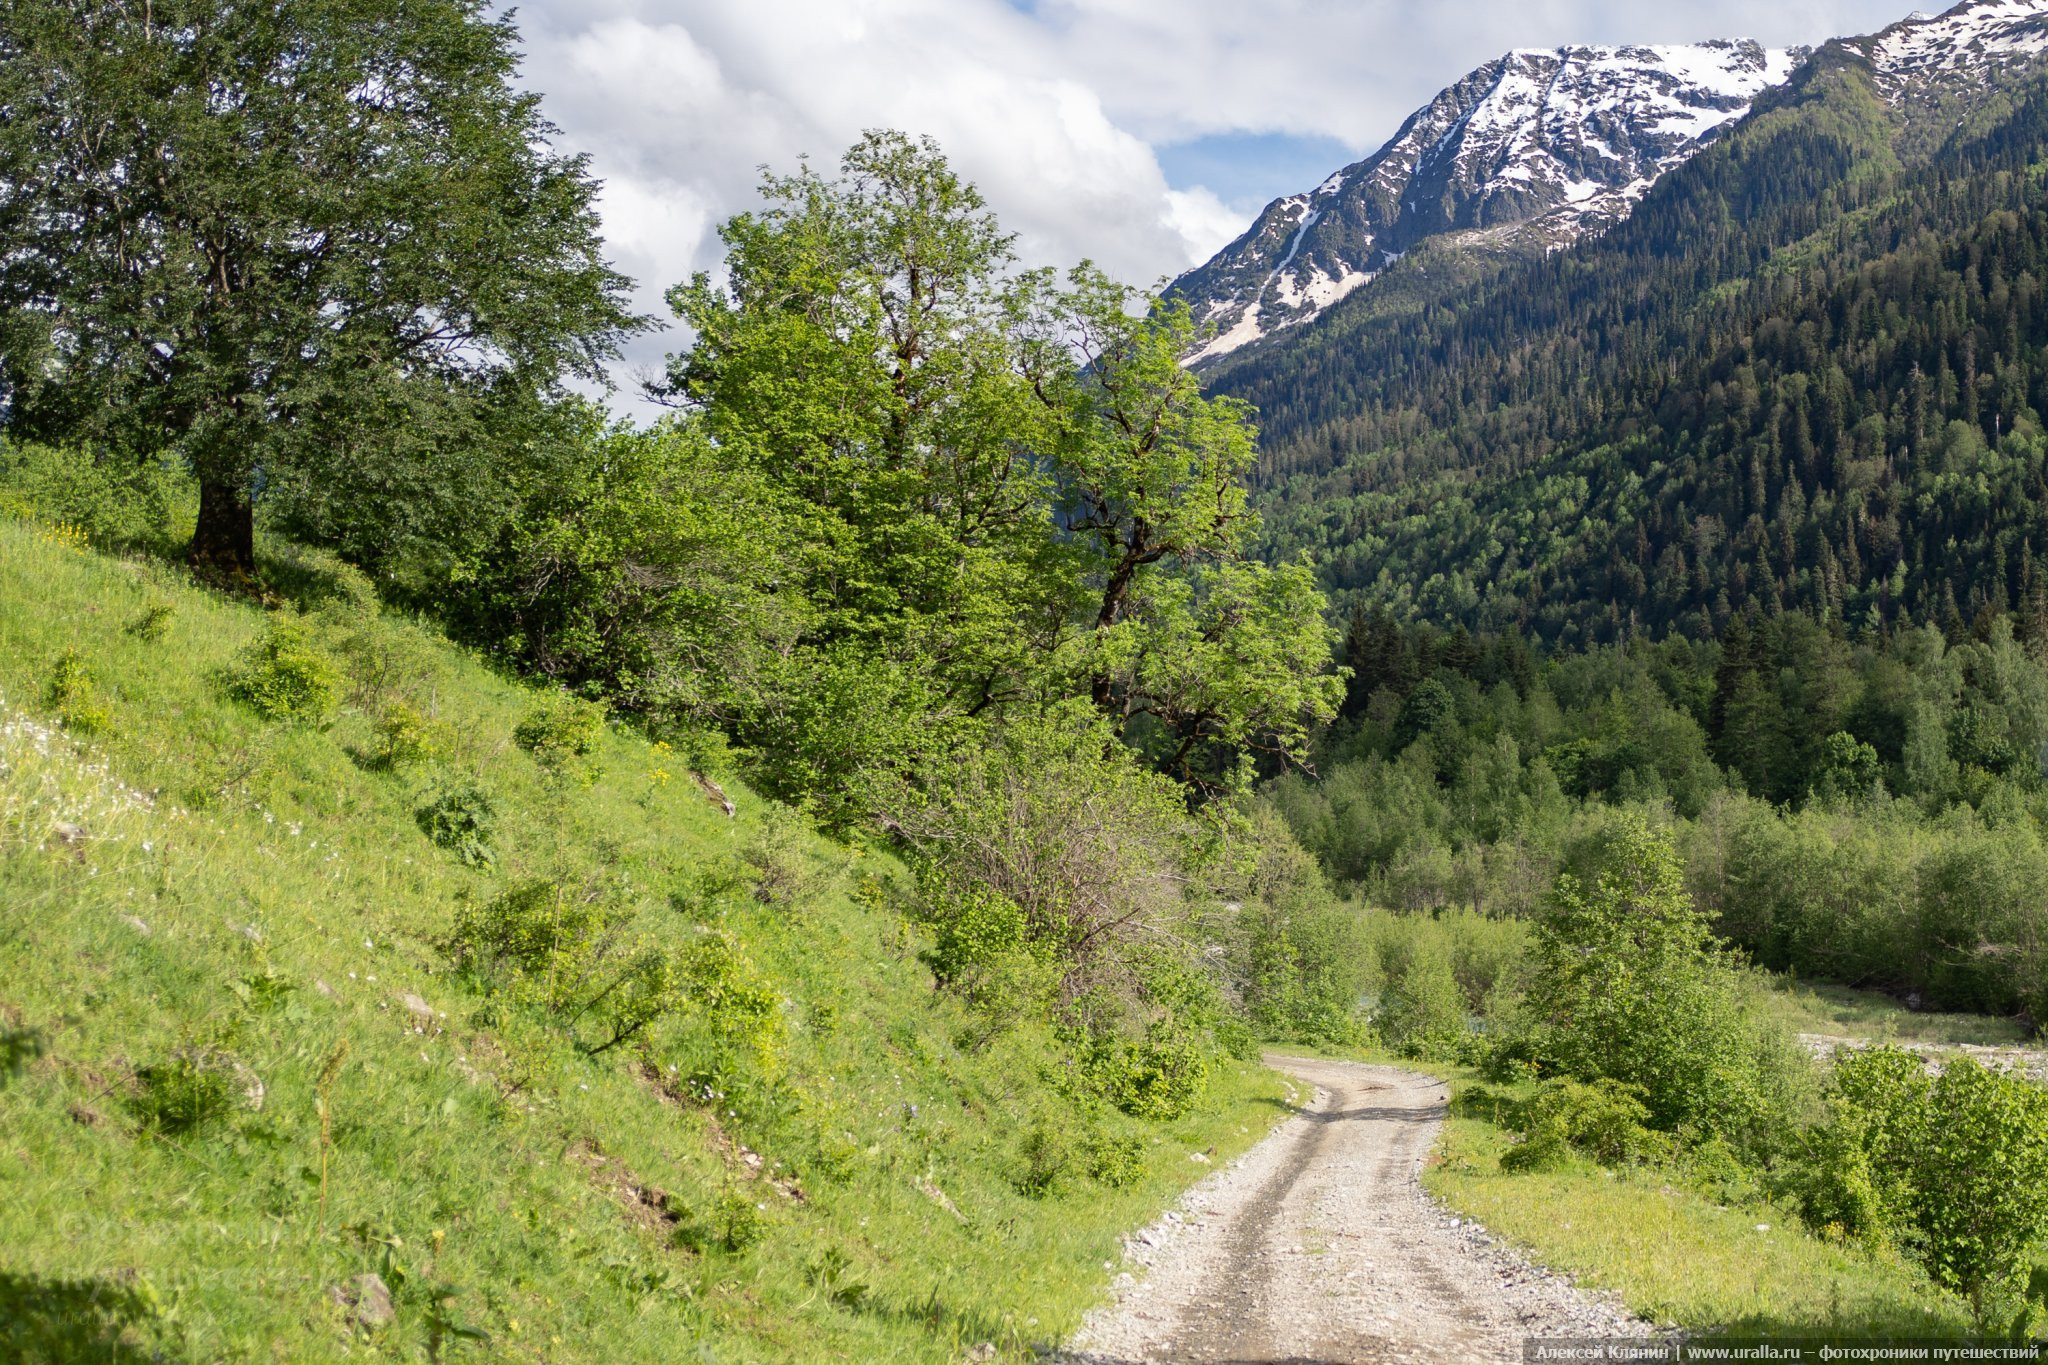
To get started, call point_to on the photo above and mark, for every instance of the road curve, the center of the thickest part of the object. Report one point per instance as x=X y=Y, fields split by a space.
x=1320 y=1247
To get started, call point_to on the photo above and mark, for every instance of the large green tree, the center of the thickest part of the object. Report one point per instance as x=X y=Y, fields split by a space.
x=273 y=236
x=1010 y=491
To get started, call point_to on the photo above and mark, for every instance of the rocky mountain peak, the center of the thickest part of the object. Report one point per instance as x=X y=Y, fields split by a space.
x=1536 y=147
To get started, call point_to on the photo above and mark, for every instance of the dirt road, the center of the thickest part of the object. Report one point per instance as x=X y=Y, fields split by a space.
x=1320 y=1248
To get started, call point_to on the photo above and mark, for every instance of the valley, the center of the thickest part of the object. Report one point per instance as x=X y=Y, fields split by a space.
x=1472 y=770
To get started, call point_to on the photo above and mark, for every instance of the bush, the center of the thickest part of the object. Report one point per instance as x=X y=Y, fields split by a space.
x=115 y=503
x=1116 y=1162
x=734 y=1223
x=193 y=1088
x=534 y=932
x=1630 y=986
x=285 y=676
x=1606 y=1120
x=561 y=730
x=462 y=818
x=154 y=622
x=405 y=739
x=984 y=954
x=1044 y=1156
x=1303 y=965
x=1060 y=820
x=1423 y=1013
x=1954 y=1168
x=738 y=1006
x=73 y=694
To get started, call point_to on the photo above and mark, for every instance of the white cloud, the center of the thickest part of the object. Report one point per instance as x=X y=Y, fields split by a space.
x=1052 y=109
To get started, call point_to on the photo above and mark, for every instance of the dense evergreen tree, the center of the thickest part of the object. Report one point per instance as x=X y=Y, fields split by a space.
x=1806 y=375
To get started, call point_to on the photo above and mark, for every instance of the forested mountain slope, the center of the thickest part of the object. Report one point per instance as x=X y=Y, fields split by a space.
x=1804 y=373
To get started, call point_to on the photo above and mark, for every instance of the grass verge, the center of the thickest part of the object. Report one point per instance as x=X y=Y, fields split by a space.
x=1693 y=1248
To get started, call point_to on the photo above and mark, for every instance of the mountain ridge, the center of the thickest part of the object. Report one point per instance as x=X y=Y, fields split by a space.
x=1528 y=151
x=1540 y=148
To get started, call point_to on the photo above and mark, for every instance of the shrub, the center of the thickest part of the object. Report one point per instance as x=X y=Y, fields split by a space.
x=154 y=622
x=1423 y=1014
x=186 y=1092
x=739 y=1006
x=462 y=818
x=73 y=694
x=1980 y=1195
x=1954 y=1167
x=533 y=932
x=405 y=738
x=734 y=1223
x=1044 y=1156
x=983 y=953
x=1303 y=964
x=1606 y=1120
x=560 y=730
x=285 y=676
x=1159 y=1077
x=1114 y=1161
x=784 y=872
x=1060 y=820
x=1629 y=985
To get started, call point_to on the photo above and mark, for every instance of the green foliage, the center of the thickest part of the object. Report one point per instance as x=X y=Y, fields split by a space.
x=1043 y=1158
x=648 y=565
x=1150 y=1049
x=73 y=694
x=1848 y=768
x=286 y=676
x=1857 y=1176
x=365 y=367
x=1423 y=1011
x=734 y=1223
x=406 y=739
x=734 y=1001
x=984 y=525
x=1954 y=1166
x=188 y=1091
x=110 y=502
x=1303 y=965
x=537 y=932
x=1629 y=985
x=1606 y=1120
x=1115 y=1161
x=462 y=817
x=1091 y=848
x=1885 y=897
x=560 y=730
x=984 y=953
x=153 y=623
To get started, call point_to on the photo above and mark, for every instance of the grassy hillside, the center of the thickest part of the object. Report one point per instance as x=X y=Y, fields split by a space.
x=218 y=929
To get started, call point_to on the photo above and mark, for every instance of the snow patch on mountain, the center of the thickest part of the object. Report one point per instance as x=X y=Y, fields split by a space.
x=1973 y=35
x=1539 y=144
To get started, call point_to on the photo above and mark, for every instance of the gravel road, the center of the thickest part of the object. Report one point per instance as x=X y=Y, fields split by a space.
x=1320 y=1247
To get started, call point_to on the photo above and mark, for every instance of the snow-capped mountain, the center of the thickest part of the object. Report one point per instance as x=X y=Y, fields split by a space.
x=1967 y=42
x=1537 y=146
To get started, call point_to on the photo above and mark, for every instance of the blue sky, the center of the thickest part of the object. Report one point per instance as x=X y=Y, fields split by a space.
x=1142 y=134
x=1248 y=170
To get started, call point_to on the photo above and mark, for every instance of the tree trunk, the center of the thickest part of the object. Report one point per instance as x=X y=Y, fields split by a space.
x=224 y=540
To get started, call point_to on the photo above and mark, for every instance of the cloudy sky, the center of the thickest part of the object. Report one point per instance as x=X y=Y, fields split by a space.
x=1141 y=133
